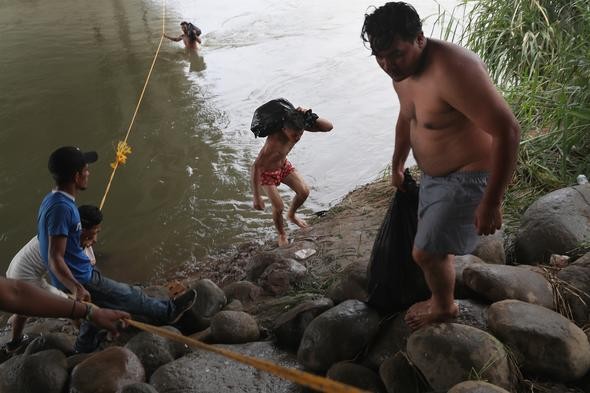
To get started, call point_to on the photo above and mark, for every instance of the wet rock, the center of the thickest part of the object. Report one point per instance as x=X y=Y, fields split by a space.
x=462 y=291
x=476 y=387
x=391 y=338
x=74 y=360
x=234 y=327
x=577 y=275
x=210 y=300
x=399 y=375
x=356 y=375
x=338 y=334
x=60 y=341
x=500 y=282
x=107 y=372
x=154 y=351
x=351 y=283
x=202 y=371
x=545 y=342
x=44 y=371
x=290 y=325
x=472 y=313
x=244 y=291
x=490 y=248
x=448 y=353
x=139 y=388
x=555 y=224
x=280 y=277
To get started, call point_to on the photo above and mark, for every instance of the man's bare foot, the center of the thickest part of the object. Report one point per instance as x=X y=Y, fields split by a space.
x=425 y=313
x=283 y=240
x=297 y=221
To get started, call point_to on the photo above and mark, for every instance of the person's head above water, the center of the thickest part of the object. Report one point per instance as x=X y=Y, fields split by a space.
x=394 y=33
x=91 y=218
x=190 y=30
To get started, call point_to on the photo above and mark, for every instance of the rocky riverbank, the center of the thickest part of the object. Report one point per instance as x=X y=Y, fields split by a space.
x=521 y=328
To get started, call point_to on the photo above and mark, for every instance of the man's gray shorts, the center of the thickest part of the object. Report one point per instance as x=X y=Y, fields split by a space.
x=446 y=212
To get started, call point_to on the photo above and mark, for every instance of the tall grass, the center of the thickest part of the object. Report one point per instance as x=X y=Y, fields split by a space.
x=538 y=54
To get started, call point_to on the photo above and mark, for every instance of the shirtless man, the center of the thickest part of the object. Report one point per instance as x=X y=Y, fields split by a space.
x=464 y=138
x=272 y=168
x=190 y=35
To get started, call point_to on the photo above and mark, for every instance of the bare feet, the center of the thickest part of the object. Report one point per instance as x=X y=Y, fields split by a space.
x=297 y=221
x=425 y=313
x=283 y=240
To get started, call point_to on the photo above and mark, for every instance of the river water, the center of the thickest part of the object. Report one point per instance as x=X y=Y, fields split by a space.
x=71 y=72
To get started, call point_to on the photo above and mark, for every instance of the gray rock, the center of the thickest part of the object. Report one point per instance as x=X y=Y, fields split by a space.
x=290 y=325
x=338 y=334
x=258 y=264
x=491 y=248
x=391 y=338
x=472 y=313
x=555 y=224
x=448 y=353
x=577 y=275
x=545 y=342
x=500 y=282
x=356 y=375
x=399 y=375
x=280 y=277
x=44 y=371
x=74 y=360
x=154 y=351
x=234 y=305
x=205 y=372
x=210 y=300
x=139 y=388
x=462 y=291
x=476 y=387
x=60 y=341
x=351 y=283
x=107 y=371
x=234 y=327
x=244 y=291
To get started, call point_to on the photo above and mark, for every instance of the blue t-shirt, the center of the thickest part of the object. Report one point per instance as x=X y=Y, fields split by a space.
x=58 y=216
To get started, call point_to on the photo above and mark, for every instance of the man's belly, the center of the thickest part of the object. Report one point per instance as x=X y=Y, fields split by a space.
x=440 y=152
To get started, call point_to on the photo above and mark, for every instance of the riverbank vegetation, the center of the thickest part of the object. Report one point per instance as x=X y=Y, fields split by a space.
x=538 y=54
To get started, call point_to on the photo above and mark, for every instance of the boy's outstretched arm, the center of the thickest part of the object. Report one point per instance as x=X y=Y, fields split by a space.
x=255 y=171
x=320 y=125
x=175 y=39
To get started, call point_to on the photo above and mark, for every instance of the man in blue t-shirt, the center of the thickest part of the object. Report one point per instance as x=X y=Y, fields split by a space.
x=58 y=230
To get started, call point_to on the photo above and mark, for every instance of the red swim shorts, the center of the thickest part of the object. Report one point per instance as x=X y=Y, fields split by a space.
x=274 y=178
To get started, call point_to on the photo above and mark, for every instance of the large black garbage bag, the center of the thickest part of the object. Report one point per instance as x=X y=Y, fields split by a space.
x=395 y=280
x=270 y=117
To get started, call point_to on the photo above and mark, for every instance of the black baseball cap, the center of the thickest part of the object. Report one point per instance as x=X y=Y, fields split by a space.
x=68 y=160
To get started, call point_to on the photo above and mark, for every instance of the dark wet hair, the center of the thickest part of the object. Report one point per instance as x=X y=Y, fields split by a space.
x=388 y=21
x=192 y=31
x=295 y=120
x=90 y=216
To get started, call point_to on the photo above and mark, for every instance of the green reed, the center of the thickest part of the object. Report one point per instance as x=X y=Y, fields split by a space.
x=538 y=54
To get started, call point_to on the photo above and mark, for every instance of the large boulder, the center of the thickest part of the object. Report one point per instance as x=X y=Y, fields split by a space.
x=491 y=248
x=44 y=371
x=281 y=277
x=399 y=375
x=338 y=334
x=244 y=291
x=356 y=375
x=60 y=341
x=203 y=371
x=545 y=342
x=234 y=327
x=139 y=388
x=500 y=282
x=154 y=351
x=476 y=387
x=462 y=262
x=447 y=354
x=107 y=372
x=290 y=325
x=555 y=224
x=391 y=338
x=577 y=295
x=210 y=300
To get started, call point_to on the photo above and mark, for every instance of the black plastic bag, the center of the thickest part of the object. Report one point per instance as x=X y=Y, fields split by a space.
x=270 y=117
x=395 y=280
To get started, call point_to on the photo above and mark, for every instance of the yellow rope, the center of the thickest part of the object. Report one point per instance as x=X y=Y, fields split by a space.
x=316 y=382
x=122 y=147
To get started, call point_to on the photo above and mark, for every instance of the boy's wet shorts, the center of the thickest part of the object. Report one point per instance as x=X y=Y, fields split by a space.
x=274 y=178
x=446 y=212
